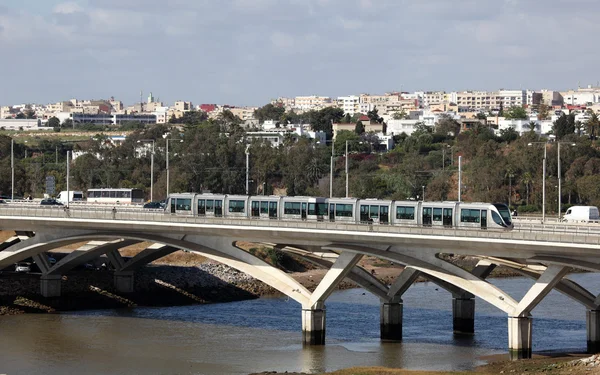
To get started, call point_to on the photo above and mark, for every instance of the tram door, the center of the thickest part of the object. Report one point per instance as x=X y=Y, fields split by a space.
x=331 y=212
x=483 y=219
x=303 y=212
x=447 y=217
x=427 y=216
x=173 y=202
x=273 y=210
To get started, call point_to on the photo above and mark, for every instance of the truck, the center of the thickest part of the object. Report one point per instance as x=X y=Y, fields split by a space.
x=75 y=196
x=581 y=214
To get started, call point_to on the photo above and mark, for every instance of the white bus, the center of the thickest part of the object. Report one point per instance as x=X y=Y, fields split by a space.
x=115 y=196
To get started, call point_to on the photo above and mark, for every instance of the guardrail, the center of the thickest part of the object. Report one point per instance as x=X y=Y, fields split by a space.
x=159 y=215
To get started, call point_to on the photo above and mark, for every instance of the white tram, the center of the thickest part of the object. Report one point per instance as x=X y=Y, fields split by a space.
x=345 y=210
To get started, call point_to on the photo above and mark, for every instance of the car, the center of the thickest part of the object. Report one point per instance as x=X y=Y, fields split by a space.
x=2 y=201
x=156 y=205
x=50 y=202
x=22 y=267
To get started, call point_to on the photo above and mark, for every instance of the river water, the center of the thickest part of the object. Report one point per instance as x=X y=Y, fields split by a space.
x=265 y=335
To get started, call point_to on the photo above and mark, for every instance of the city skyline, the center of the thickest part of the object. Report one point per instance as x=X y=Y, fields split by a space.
x=249 y=52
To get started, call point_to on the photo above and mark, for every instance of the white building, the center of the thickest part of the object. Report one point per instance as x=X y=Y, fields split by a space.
x=23 y=124
x=512 y=98
x=349 y=104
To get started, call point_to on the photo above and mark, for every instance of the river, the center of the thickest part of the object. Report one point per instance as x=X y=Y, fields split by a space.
x=265 y=335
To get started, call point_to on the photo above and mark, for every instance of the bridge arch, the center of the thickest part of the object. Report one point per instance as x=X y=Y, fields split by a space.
x=220 y=249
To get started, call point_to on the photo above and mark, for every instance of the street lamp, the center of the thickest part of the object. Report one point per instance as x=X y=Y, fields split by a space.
x=359 y=142
x=151 y=167
x=247 y=167
x=423 y=196
x=169 y=140
x=12 y=169
x=543 y=178
x=560 y=178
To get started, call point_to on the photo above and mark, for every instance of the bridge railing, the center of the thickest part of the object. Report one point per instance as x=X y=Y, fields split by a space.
x=159 y=215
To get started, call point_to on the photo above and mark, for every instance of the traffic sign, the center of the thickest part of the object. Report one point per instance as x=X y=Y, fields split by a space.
x=50 y=185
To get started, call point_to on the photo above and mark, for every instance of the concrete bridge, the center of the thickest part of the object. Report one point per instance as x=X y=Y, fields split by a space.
x=544 y=253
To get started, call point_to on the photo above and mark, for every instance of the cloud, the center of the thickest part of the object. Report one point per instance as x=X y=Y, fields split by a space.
x=282 y=40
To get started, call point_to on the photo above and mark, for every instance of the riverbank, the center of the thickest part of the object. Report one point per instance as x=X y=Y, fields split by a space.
x=556 y=363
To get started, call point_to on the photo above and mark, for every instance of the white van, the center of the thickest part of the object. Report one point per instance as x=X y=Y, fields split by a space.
x=75 y=196
x=581 y=214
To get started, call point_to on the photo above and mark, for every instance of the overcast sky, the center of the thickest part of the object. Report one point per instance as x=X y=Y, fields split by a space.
x=245 y=52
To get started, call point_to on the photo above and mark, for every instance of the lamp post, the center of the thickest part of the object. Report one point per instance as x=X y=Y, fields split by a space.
x=543 y=178
x=12 y=169
x=347 y=189
x=560 y=178
x=423 y=196
x=247 y=168
x=169 y=140
x=151 y=167
x=330 y=167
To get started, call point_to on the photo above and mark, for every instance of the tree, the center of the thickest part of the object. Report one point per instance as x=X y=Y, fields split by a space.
x=399 y=115
x=374 y=116
x=543 y=112
x=509 y=134
x=592 y=125
x=269 y=112
x=516 y=113
x=347 y=118
x=54 y=123
x=447 y=126
x=359 y=128
x=20 y=116
x=68 y=123
x=481 y=116
x=564 y=125
x=322 y=120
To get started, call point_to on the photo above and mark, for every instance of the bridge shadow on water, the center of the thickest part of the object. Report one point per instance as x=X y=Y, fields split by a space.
x=355 y=326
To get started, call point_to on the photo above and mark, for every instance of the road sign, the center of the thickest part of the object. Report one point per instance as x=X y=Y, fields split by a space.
x=50 y=185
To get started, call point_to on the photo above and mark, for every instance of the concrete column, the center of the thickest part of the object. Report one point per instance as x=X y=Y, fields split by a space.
x=391 y=320
x=124 y=282
x=313 y=326
x=593 y=331
x=463 y=314
x=50 y=285
x=519 y=337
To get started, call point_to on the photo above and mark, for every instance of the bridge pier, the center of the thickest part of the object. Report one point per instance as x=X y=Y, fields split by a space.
x=463 y=314
x=124 y=281
x=593 y=331
x=50 y=285
x=391 y=320
x=519 y=337
x=313 y=325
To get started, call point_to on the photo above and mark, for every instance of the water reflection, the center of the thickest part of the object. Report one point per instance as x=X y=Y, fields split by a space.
x=265 y=335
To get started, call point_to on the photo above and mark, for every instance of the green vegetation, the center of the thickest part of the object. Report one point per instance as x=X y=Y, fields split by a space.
x=212 y=157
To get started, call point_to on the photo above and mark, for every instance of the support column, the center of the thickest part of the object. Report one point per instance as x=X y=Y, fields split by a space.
x=593 y=331
x=124 y=282
x=313 y=326
x=463 y=314
x=50 y=285
x=519 y=337
x=391 y=320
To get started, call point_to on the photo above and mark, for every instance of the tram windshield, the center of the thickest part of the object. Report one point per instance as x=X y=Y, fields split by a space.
x=504 y=212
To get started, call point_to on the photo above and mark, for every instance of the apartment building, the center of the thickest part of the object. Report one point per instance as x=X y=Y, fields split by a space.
x=582 y=96
x=311 y=102
x=477 y=100
x=512 y=98
x=245 y=113
x=182 y=106
x=349 y=104
x=552 y=98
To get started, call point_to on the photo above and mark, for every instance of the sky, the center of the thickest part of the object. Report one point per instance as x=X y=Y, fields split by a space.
x=247 y=52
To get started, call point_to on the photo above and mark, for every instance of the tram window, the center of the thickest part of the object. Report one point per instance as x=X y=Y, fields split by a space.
x=291 y=208
x=374 y=212
x=105 y=194
x=470 y=216
x=264 y=207
x=120 y=194
x=317 y=209
x=405 y=213
x=343 y=210
x=437 y=214
x=272 y=209
x=364 y=213
x=183 y=204
x=113 y=194
x=497 y=219
x=210 y=206
x=201 y=207
x=237 y=206
x=384 y=216
x=127 y=194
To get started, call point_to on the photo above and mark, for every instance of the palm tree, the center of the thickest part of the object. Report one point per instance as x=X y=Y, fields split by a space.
x=527 y=179
x=592 y=125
